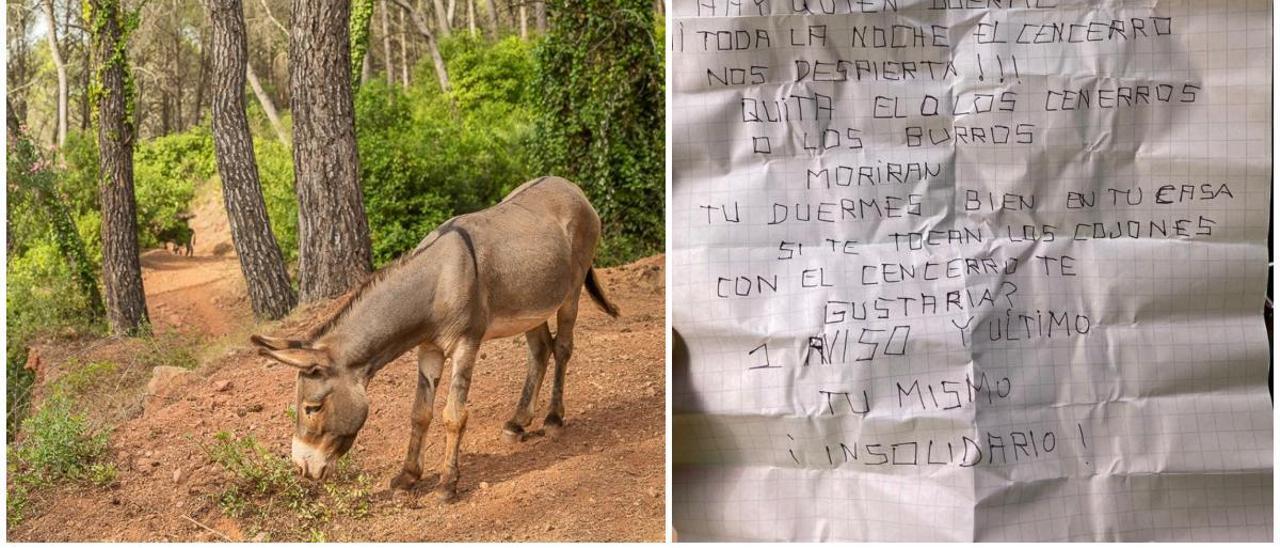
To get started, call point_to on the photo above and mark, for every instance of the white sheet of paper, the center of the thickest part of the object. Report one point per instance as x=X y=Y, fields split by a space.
x=970 y=270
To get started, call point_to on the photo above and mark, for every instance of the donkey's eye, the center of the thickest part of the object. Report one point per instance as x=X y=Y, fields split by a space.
x=311 y=408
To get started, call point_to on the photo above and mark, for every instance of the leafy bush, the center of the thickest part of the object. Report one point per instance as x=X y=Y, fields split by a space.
x=52 y=284
x=264 y=485
x=166 y=170
x=426 y=157
x=600 y=116
x=60 y=447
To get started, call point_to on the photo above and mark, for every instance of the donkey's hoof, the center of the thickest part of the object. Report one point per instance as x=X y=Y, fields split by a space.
x=446 y=493
x=404 y=481
x=513 y=433
x=553 y=425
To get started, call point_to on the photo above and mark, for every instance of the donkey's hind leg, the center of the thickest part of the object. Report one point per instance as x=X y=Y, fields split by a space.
x=430 y=365
x=566 y=317
x=540 y=341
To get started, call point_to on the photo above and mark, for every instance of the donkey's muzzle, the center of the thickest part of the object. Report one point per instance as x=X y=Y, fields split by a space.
x=312 y=462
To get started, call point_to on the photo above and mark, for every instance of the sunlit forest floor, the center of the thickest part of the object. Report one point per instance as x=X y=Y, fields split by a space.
x=601 y=480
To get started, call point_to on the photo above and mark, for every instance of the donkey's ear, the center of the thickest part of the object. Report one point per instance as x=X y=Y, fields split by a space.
x=275 y=343
x=306 y=359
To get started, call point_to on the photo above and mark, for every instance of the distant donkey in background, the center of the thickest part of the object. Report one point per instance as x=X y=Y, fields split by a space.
x=494 y=273
x=181 y=235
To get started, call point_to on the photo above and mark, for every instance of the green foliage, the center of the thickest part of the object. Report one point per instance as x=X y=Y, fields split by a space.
x=426 y=157
x=265 y=485
x=166 y=170
x=60 y=447
x=275 y=169
x=52 y=283
x=361 y=14
x=600 y=116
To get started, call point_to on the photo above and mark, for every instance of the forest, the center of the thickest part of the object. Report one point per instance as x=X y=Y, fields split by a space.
x=336 y=134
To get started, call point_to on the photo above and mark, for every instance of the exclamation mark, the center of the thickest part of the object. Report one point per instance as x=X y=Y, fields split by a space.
x=1000 y=62
x=1083 y=443
x=1016 y=74
x=981 y=76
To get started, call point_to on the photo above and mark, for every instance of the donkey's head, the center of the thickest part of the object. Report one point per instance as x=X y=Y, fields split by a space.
x=331 y=403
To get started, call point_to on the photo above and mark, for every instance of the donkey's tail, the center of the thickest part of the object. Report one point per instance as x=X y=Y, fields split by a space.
x=597 y=294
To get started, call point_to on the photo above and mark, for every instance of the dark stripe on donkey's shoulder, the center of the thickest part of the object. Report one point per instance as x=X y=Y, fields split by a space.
x=466 y=239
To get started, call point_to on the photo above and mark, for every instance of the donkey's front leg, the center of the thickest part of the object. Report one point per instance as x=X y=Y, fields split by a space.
x=455 y=416
x=430 y=364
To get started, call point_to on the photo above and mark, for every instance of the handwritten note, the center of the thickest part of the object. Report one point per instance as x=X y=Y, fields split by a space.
x=971 y=269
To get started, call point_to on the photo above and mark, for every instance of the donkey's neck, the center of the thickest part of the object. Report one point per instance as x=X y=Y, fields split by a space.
x=386 y=319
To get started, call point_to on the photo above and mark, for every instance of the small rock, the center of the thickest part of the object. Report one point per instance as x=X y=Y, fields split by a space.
x=260 y=537
x=177 y=475
x=254 y=408
x=655 y=492
x=165 y=376
x=549 y=527
x=222 y=386
x=484 y=485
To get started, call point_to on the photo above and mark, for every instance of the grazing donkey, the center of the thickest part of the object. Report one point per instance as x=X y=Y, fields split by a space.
x=485 y=275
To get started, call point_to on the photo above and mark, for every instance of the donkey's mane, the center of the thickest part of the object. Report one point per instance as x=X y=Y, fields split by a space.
x=352 y=297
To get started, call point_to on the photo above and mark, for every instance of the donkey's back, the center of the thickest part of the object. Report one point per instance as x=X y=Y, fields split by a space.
x=532 y=251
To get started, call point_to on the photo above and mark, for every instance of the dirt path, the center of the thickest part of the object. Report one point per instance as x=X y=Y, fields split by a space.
x=602 y=480
x=202 y=294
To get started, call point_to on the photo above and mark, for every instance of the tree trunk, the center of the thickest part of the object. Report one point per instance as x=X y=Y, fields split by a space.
x=268 y=106
x=386 y=45
x=420 y=22
x=177 y=70
x=333 y=232
x=524 y=22
x=471 y=17
x=540 y=16
x=121 y=270
x=361 y=15
x=404 y=52
x=260 y=258
x=442 y=18
x=61 y=66
x=203 y=80
x=492 y=8
x=86 y=119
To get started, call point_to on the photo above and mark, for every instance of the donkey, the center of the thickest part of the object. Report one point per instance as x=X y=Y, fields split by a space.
x=494 y=273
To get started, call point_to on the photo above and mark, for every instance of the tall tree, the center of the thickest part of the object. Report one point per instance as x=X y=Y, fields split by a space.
x=268 y=106
x=442 y=17
x=55 y=51
x=491 y=6
x=43 y=187
x=333 y=232
x=386 y=46
x=361 y=15
x=121 y=270
x=420 y=23
x=260 y=258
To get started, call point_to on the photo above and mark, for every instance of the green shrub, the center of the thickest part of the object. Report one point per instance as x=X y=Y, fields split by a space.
x=60 y=446
x=265 y=485
x=601 y=116
x=426 y=157
x=166 y=171
x=275 y=170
